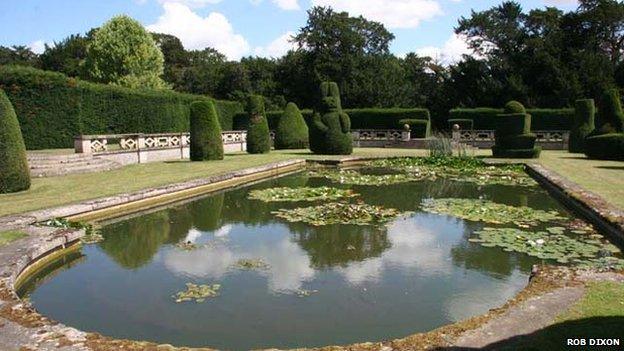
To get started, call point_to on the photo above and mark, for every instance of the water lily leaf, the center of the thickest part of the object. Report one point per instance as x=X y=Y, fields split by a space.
x=300 y=194
x=339 y=213
x=197 y=293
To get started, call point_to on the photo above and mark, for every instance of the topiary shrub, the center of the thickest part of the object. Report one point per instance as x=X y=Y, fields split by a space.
x=258 y=138
x=206 y=142
x=420 y=128
x=611 y=117
x=584 y=112
x=513 y=138
x=14 y=172
x=292 y=130
x=514 y=107
x=605 y=147
x=330 y=129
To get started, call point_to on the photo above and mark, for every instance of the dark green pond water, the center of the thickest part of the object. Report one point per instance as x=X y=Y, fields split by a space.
x=373 y=283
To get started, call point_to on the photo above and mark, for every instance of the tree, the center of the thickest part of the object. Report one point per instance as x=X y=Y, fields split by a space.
x=15 y=175
x=18 y=55
x=123 y=52
x=175 y=56
x=206 y=142
x=67 y=56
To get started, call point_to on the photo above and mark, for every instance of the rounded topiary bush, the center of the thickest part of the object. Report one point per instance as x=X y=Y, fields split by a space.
x=330 y=129
x=610 y=112
x=206 y=142
x=514 y=107
x=292 y=130
x=584 y=112
x=14 y=172
x=513 y=138
x=605 y=147
x=258 y=138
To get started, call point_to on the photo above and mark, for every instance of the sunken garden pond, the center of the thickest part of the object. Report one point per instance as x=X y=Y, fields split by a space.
x=320 y=257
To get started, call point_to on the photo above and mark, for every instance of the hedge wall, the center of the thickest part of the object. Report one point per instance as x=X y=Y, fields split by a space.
x=364 y=118
x=53 y=108
x=542 y=119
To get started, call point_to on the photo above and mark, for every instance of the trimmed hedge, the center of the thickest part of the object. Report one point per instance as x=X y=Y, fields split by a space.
x=206 y=142
x=463 y=123
x=292 y=130
x=514 y=107
x=258 y=138
x=611 y=116
x=605 y=147
x=542 y=119
x=419 y=128
x=14 y=172
x=583 y=124
x=513 y=136
x=53 y=108
x=330 y=129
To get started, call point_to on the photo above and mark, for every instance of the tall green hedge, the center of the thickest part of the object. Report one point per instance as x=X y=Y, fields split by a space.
x=611 y=116
x=206 y=142
x=583 y=124
x=53 y=108
x=14 y=172
x=258 y=138
x=292 y=130
x=513 y=138
x=542 y=119
x=606 y=142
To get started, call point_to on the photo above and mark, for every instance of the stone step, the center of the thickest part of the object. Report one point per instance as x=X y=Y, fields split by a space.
x=57 y=158
x=56 y=164
x=68 y=169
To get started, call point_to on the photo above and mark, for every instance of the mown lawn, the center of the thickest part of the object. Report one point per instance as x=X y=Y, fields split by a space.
x=606 y=178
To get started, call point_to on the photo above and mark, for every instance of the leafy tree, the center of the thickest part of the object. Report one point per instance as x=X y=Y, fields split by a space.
x=123 y=52
x=67 y=56
x=175 y=56
x=18 y=55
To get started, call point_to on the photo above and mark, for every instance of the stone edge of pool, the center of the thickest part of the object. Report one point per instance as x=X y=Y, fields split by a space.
x=23 y=328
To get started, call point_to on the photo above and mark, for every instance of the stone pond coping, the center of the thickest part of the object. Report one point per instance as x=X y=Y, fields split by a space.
x=21 y=327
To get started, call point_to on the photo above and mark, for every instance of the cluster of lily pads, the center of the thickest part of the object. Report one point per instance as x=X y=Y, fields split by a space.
x=92 y=235
x=197 y=293
x=479 y=210
x=551 y=245
x=339 y=213
x=301 y=194
x=352 y=177
x=464 y=169
x=251 y=264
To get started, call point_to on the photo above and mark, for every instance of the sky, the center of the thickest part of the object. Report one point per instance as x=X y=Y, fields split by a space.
x=240 y=28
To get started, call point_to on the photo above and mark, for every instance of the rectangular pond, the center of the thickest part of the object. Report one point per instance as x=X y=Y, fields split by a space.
x=411 y=258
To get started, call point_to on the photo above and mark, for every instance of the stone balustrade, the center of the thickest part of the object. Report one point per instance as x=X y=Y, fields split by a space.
x=547 y=139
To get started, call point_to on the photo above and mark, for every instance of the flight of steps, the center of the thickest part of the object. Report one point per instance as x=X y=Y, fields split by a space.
x=48 y=165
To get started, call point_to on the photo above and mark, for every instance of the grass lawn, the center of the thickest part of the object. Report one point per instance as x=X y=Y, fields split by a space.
x=55 y=191
x=605 y=178
x=9 y=236
x=602 y=299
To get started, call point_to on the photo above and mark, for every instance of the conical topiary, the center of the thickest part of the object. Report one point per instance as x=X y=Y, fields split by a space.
x=610 y=115
x=206 y=142
x=291 y=131
x=14 y=172
x=330 y=130
x=258 y=138
x=584 y=112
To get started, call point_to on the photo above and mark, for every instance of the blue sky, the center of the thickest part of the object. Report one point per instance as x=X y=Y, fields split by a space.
x=245 y=27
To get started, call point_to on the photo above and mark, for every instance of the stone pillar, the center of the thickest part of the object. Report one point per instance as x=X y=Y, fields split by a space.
x=406 y=135
x=456 y=134
x=82 y=145
x=140 y=146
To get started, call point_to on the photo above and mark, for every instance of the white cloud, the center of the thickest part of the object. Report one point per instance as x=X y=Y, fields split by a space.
x=198 y=32
x=392 y=13
x=561 y=2
x=38 y=47
x=278 y=47
x=190 y=3
x=287 y=4
x=450 y=52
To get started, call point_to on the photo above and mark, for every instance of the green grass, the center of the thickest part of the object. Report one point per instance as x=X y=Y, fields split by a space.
x=9 y=236
x=602 y=299
x=56 y=191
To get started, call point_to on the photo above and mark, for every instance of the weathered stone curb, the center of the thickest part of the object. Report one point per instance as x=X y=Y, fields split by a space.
x=20 y=220
x=608 y=218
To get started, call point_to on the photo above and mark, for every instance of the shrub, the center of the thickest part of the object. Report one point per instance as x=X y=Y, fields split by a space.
x=542 y=119
x=292 y=130
x=610 y=112
x=513 y=138
x=605 y=147
x=583 y=124
x=14 y=172
x=53 y=108
x=419 y=128
x=206 y=142
x=463 y=123
x=258 y=138
x=330 y=129
x=514 y=107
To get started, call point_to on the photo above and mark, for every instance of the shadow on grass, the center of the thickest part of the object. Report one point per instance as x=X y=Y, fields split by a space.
x=555 y=337
x=620 y=168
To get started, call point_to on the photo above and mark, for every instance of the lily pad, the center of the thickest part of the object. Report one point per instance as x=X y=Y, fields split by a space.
x=197 y=293
x=491 y=212
x=301 y=194
x=251 y=264
x=339 y=213
x=357 y=178
x=92 y=238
